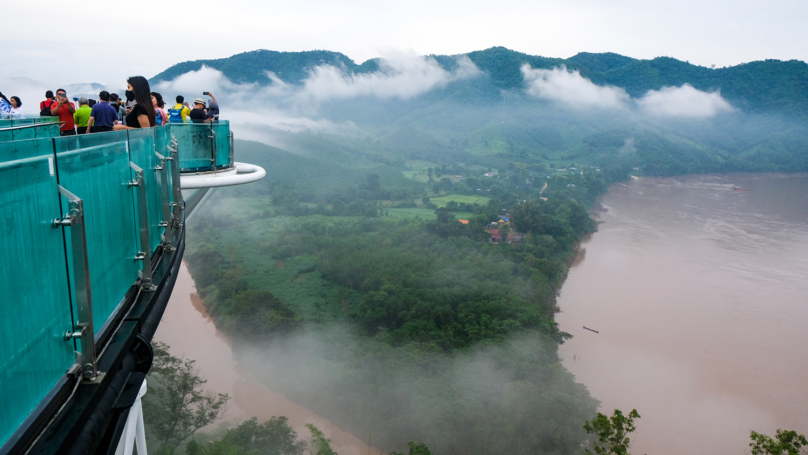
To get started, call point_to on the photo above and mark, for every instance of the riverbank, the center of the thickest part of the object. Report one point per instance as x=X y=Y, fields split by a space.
x=190 y=332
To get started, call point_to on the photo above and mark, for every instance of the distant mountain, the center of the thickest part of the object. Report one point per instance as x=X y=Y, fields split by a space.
x=770 y=86
x=252 y=66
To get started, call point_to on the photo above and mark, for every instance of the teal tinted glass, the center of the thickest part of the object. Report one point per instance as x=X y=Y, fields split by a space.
x=162 y=142
x=35 y=305
x=195 y=145
x=47 y=131
x=223 y=153
x=24 y=133
x=31 y=130
x=142 y=153
x=23 y=121
x=95 y=167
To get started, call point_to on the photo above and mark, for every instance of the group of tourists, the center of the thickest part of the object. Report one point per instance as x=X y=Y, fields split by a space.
x=141 y=108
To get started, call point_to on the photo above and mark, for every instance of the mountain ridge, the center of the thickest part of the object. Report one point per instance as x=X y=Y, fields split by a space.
x=767 y=86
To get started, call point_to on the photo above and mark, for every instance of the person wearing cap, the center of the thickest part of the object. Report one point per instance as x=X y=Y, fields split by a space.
x=82 y=115
x=213 y=108
x=198 y=113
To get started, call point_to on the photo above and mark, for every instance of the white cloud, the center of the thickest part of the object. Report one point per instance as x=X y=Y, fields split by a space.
x=294 y=107
x=572 y=89
x=401 y=76
x=684 y=102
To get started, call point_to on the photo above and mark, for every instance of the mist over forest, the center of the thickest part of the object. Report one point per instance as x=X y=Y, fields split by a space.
x=345 y=278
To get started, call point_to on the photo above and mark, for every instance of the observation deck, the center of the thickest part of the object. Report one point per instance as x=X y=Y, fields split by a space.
x=93 y=233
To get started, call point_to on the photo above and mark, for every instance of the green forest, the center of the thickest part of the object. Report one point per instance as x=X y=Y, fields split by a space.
x=408 y=328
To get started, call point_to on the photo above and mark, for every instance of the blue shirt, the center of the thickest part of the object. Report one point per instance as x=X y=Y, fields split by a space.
x=103 y=114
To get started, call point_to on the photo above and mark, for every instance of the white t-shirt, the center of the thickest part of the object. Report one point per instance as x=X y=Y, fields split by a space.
x=17 y=112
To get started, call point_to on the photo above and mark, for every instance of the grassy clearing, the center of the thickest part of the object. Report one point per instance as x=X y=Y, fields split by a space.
x=424 y=214
x=418 y=176
x=443 y=200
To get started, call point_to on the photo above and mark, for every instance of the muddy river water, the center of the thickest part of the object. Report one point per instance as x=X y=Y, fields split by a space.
x=190 y=333
x=699 y=292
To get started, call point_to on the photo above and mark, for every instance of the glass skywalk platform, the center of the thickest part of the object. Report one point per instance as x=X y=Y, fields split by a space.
x=92 y=235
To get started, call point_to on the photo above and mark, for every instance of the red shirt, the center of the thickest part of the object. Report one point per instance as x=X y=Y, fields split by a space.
x=66 y=117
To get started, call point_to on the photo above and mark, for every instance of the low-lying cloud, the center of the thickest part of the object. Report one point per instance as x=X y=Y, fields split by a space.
x=572 y=89
x=684 y=101
x=403 y=77
x=295 y=107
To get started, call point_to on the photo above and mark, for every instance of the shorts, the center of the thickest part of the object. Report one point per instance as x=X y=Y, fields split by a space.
x=101 y=129
x=67 y=133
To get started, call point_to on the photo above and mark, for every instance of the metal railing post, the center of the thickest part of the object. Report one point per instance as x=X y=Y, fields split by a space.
x=84 y=328
x=213 y=147
x=232 y=150
x=143 y=222
x=176 y=206
x=166 y=202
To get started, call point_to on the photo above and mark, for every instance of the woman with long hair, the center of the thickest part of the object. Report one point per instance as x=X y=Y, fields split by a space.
x=142 y=115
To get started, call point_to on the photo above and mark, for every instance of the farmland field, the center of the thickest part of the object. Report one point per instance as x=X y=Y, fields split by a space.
x=443 y=200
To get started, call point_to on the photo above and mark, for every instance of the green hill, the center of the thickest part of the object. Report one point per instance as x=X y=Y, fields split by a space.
x=252 y=66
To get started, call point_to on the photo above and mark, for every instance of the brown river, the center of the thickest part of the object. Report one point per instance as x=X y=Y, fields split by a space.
x=190 y=332
x=699 y=293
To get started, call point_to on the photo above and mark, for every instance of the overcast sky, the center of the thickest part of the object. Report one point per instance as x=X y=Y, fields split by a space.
x=59 y=43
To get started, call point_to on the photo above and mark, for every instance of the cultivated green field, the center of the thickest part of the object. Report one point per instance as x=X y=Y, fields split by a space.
x=424 y=214
x=418 y=176
x=443 y=200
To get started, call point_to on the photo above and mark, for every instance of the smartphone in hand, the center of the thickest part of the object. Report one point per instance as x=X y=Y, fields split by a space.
x=206 y=93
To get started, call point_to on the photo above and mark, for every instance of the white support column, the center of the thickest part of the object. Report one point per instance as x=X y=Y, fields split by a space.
x=134 y=433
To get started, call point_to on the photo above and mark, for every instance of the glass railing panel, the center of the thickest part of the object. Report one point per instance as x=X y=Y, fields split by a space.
x=95 y=167
x=6 y=123
x=6 y=136
x=195 y=146
x=223 y=152
x=162 y=140
x=35 y=305
x=142 y=153
x=24 y=133
x=22 y=121
x=47 y=131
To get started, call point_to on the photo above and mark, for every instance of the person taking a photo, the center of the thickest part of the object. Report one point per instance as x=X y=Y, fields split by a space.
x=64 y=109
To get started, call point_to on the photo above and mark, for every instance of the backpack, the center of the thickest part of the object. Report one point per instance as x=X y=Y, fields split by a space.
x=45 y=108
x=158 y=117
x=175 y=115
